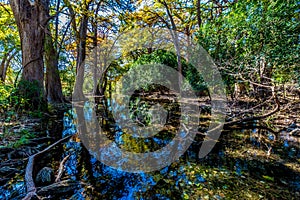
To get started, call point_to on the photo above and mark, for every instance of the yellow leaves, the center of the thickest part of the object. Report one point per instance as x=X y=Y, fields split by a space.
x=8 y=29
x=71 y=46
x=186 y=196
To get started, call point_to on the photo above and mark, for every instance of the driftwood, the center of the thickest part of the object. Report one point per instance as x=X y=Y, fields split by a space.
x=61 y=168
x=251 y=109
x=30 y=186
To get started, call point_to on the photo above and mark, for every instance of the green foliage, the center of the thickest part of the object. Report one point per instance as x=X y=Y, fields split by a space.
x=17 y=139
x=250 y=32
x=37 y=114
x=158 y=57
x=169 y=59
x=140 y=112
x=67 y=80
x=9 y=38
x=25 y=136
x=29 y=96
x=5 y=91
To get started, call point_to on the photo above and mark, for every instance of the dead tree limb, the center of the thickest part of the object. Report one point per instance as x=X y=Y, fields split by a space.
x=276 y=109
x=61 y=168
x=253 y=108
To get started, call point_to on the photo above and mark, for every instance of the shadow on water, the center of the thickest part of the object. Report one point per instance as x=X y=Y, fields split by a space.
x=245 y=164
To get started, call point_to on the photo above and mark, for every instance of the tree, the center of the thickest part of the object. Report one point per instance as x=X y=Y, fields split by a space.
x=53 y=83
x=177 y=16
x=81 y=39
x=6 y=60
x=253 y=41
x=32 y=18
x=89 y=18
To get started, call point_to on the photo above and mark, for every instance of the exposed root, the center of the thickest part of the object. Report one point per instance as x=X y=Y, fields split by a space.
x=30 y=186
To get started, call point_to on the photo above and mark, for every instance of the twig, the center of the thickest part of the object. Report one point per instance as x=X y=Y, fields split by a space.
x=59 y=188
x=294 y=131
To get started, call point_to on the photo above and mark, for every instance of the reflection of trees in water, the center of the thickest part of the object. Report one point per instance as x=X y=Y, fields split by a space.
x=228 y=162
x=140 y=105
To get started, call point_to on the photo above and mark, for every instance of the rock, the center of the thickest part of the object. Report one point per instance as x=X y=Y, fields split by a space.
x=45 y=176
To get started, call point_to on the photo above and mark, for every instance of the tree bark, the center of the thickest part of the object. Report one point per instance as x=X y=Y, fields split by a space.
x=31 y=18
x=81 y=54
x=53 y=82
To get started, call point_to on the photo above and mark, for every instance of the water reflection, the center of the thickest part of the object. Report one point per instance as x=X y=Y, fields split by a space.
x=240 y=157
x=142 y=136
x=131 y=183
x=262 y=163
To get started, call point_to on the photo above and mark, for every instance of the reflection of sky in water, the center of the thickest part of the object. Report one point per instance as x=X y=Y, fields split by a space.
x=254 y=138
x=122 y=185
x=19 y=187
x=72 y=149
x=271 y=137
x=125 y=185
x=238 y=169
x=132 y=183
x=88 y=110
x=68 y=122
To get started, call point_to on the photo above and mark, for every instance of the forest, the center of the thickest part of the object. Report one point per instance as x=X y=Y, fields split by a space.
x=149 y=99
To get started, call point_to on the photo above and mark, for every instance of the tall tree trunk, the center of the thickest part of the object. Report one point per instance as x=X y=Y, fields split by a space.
x=31 y=18
x=81 y=53
x=53 y=83
x=96 y=91
x=95 y=57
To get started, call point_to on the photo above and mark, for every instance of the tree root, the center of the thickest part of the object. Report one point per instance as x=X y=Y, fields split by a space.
x=30 y=186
